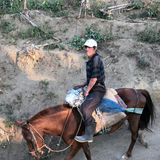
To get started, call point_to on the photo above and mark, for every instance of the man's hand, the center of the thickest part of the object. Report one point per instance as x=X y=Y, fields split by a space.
x=76 y=87
x=86 y=93
x=80 y=86
x=92 y=82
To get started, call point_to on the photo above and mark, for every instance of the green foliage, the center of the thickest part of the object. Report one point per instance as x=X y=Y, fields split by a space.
x=6 y=27
x=50 y=47
x=15 y=6
x=4 y=85
x=45 y=84
x=32 y=4
x=5 y=6
x=149 y=35
x=39 y=33
x=3 y=144
x=137 y=4
x=142 y=63
x=54 y=7
x=78 y=42
x=76 y=4
x=90 y=33
x=96 y=11
x=9 y=109
x=133 y=16
x=8 y=124
x=133 y=53
x=61 y=46
x=151 y=11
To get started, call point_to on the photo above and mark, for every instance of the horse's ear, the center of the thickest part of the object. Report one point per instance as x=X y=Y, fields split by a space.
x=19 y=122
x=22 y=124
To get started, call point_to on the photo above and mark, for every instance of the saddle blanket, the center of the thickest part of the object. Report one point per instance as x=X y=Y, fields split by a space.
x=109 y=112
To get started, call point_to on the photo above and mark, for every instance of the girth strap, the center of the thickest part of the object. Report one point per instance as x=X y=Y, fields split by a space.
x=135 y=110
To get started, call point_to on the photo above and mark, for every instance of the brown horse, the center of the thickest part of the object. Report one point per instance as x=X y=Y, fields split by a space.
x=64 y=121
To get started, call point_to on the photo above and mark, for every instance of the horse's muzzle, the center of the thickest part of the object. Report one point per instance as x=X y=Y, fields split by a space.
x=37 y=154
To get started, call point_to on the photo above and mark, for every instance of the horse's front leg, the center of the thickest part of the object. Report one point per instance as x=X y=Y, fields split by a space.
x=74 y=149
x=86 y=150
x=129 y=152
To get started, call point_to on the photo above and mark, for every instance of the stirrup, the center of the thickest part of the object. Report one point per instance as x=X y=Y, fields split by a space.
x=82 y=139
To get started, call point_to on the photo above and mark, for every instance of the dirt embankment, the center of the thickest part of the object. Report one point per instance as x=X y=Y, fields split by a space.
x=34 y=79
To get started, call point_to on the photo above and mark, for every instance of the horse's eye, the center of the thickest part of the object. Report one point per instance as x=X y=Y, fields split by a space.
x=29 y=141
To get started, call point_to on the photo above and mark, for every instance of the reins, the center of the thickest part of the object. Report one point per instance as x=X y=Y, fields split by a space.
x=33 y=138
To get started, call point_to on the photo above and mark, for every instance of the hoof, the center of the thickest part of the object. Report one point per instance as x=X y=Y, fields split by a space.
x=124 y=157
x=146 y=145
x=143 y=142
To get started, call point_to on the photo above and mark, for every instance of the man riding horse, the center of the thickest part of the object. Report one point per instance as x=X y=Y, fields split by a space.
x=95 y=89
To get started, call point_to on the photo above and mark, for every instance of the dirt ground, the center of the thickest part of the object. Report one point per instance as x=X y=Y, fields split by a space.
x=33 y=79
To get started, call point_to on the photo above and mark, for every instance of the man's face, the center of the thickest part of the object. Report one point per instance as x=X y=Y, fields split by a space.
x=90 y=51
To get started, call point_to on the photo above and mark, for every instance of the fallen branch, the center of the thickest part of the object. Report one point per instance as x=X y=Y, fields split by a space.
x=106 y=58
x=109 y=63
x=118 y=6
x=28 y=20
x=113 y=8
x=43 y=45
x=47 y=44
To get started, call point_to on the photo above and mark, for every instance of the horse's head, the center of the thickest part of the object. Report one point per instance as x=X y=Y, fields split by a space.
x=33 y=138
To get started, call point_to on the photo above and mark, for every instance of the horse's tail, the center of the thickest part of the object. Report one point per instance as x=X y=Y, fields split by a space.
x=148 y=114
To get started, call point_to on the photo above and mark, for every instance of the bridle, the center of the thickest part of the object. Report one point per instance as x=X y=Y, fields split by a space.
x=33 y=138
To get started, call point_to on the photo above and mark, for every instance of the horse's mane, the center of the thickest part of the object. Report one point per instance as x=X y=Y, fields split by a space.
x=47 y=112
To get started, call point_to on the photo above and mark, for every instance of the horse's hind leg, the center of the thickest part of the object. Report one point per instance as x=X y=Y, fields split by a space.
x=134 y=131
x=141 y=138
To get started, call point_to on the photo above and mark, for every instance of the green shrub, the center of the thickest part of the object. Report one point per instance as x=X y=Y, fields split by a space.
x=7 y=123
x=16 y=6
x=142 y=63
x=150 y=12
x=152 y=9
x=53 y=46
x=137 y=4
x=133 y=16
x=39 y=33
x=90 y=33
x=3 y=144
x=149 y=36
x=96 y=11
x=78 y=42
x=6 y=27
x=54 y=6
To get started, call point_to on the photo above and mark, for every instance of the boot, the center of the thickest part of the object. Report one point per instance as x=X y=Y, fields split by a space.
x=88 y=136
